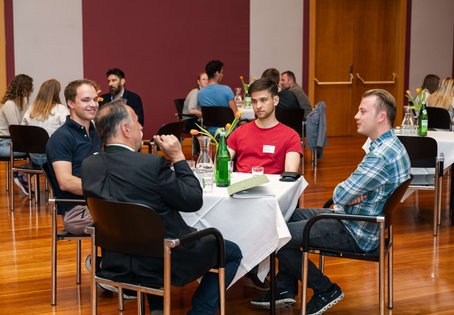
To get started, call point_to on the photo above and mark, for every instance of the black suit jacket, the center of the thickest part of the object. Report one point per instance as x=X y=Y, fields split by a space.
x=132 y=99
x=123 y=175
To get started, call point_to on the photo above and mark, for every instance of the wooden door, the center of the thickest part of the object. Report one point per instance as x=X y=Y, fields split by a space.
x=356 y=45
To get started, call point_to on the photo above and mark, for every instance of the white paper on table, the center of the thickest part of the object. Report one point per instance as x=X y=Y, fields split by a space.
x=254 y=192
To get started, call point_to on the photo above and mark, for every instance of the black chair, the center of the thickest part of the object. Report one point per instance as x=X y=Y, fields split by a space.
x=438 y=118
x=27 y=139
x=423 y=153
x=179 y=104
x=294 y=118
x=60 y=235
x=172 y=128
x=137 y=230
x=216 y=116
x=385 y=248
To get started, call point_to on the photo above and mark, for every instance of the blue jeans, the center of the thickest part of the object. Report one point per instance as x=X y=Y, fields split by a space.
x=327 y=233
x=5 y=149
x=206 y=298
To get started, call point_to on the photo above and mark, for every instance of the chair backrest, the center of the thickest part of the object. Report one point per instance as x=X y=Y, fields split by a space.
x=394 y=200
x=179 y=104
x=29 y=139
x=51 y=179
x=422 y=151
x=172 y=128
x=216 y=115
x=438 y=118
x=292 y=118
x=127 y=228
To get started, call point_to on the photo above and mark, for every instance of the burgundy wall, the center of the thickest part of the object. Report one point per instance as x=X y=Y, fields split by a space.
x=163 y=45
x=9 y=37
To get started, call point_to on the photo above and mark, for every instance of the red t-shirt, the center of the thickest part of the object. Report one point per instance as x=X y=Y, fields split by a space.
x=267 y=147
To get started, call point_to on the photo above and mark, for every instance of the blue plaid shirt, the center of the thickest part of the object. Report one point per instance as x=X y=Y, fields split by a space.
x=380 y=172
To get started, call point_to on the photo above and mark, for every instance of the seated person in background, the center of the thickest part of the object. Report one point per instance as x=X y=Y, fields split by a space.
x=288 y=81
x=116 y=80
x=287 y=100
x=146 y=179
x=68 y=146
x=216 y=94
x=365 y=192
x=191 y=107
x=47 y=112
x=443 y=97
x=430 y=83
x=265 y=141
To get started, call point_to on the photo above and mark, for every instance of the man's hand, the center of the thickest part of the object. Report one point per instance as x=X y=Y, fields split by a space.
x=171 y=147
x=357 y=200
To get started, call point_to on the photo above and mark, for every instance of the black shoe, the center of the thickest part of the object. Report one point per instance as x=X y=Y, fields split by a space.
x=321 y=302
x=283 y=299
x=254 y=282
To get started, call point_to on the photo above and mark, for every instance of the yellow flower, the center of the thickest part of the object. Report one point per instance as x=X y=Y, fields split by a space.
x=418 y=91
x=238 y=114
x=227 y=127
x=194 y=132
x=100 y=99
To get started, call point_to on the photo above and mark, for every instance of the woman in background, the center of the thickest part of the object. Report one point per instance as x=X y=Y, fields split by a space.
x=47 y=112
x=430 y=83
x=444 y=96
x=12 y=108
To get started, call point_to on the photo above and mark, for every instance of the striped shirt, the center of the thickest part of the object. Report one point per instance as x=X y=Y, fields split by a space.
x=380 y=172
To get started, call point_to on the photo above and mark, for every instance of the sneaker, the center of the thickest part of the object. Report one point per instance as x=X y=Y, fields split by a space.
x=21 y=183
x=321 y=302
x=283 y=299
x=251 y=280
x=127 y=294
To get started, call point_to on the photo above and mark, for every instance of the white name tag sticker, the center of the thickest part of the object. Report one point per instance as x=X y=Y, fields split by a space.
x=268 y=148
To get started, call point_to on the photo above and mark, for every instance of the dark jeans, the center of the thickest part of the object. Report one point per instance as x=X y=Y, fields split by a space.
x=206 y=297
x=327 y=233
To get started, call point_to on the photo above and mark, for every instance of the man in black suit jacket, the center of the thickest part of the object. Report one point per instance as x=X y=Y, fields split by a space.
x=116 y=81
x=123 y=174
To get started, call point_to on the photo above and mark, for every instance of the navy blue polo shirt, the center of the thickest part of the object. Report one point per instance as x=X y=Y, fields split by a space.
x=71 y=143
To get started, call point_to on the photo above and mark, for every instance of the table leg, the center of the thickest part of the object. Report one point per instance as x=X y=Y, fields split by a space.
x=272 y=283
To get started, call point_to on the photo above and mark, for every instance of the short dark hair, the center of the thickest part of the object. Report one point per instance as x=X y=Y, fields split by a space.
x=431 y=82
x=71 y=88
x=115 y=71
x=108 y=119
x=212 y=67
x=290 y=74
x=385 y=101
x=264 y=84
x=272 y=74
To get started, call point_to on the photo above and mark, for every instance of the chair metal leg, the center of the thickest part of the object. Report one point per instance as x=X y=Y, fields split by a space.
x=140 y=304
x=390 y=277
x=221 y=275
x=321 y=263
x=7 y=175
x=78 y=261
x=381 y=271
x=94 y=299
x=54 y=256
x=121 y=303
x=167 y=278
x=304 y=284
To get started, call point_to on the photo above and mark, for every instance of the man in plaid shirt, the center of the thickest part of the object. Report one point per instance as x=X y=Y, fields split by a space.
x=365 y=192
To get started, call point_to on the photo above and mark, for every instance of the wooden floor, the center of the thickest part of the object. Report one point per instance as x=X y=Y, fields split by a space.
x=423 y=265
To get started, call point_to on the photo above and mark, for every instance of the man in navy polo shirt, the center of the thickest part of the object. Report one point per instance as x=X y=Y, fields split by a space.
x=69 y=146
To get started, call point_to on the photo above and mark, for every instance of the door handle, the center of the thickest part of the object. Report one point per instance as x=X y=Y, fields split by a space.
x=393 y=81
x=350 y=82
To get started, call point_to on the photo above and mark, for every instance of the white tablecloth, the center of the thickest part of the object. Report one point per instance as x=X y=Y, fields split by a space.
x=445 y=143
x=257 y=225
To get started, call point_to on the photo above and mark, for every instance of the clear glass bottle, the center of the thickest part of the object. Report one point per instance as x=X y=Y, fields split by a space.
x=204 y=166
x=407 y=123
x=222 y=163
x=238 y=99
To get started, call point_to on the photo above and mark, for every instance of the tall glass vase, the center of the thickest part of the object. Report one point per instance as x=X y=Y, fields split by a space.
x=204 y=166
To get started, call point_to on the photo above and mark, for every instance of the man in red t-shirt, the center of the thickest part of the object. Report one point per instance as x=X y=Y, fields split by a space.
x=265 y=141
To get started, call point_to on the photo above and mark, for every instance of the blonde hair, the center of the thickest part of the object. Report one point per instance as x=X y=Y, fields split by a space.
x=48 y=96
x=443 y=96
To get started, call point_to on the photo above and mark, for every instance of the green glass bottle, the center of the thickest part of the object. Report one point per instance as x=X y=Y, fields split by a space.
x=423 y=120
x=222 y=163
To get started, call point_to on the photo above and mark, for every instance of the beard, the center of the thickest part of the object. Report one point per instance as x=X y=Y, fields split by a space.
x=114 y=91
